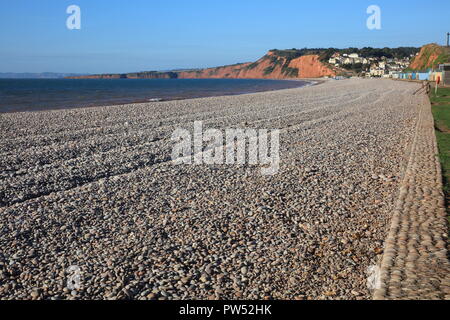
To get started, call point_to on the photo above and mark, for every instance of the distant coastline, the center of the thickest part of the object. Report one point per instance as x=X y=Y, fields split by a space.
x=38 y=75
x=276 y=64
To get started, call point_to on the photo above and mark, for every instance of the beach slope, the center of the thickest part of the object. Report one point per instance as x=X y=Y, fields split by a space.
x=95 y=188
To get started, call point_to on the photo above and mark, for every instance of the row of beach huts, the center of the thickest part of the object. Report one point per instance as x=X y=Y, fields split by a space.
x=442 y=74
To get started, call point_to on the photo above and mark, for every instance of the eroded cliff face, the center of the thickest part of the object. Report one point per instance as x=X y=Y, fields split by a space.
x=311 y=67
x=268 y=67
x=430 y=56
x=274 y=65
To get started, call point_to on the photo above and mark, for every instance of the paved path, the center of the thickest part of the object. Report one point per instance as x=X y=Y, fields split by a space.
x=415 y=263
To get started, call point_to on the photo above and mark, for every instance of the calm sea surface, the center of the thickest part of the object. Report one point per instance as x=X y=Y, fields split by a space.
x=44 y=94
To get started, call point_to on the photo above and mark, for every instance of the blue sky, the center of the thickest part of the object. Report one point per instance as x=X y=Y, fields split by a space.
x=137 y=35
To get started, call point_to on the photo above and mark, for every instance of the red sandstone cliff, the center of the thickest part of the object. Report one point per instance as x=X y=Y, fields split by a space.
x=265 y=68
x=276 y=64
x=430 y=56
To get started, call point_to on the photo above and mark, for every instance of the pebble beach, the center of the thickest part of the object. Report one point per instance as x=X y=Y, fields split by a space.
x=96 y=188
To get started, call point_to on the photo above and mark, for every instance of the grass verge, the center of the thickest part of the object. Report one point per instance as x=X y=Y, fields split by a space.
x=441 y=112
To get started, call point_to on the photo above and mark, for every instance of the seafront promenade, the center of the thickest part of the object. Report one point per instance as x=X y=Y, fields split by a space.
x=415 y=264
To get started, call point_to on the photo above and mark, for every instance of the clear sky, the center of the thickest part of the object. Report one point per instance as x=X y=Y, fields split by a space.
x=138 y=35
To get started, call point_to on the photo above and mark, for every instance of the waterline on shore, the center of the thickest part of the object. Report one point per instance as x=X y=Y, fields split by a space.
x=37 y=94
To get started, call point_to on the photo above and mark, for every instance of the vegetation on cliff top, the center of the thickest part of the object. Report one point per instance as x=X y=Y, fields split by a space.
x=281 y=58
x=367 y=52
x=325 y=54
x=151 y=75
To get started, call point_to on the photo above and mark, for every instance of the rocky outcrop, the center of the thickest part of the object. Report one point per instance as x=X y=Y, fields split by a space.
x=276 y=64
x=430 y=56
